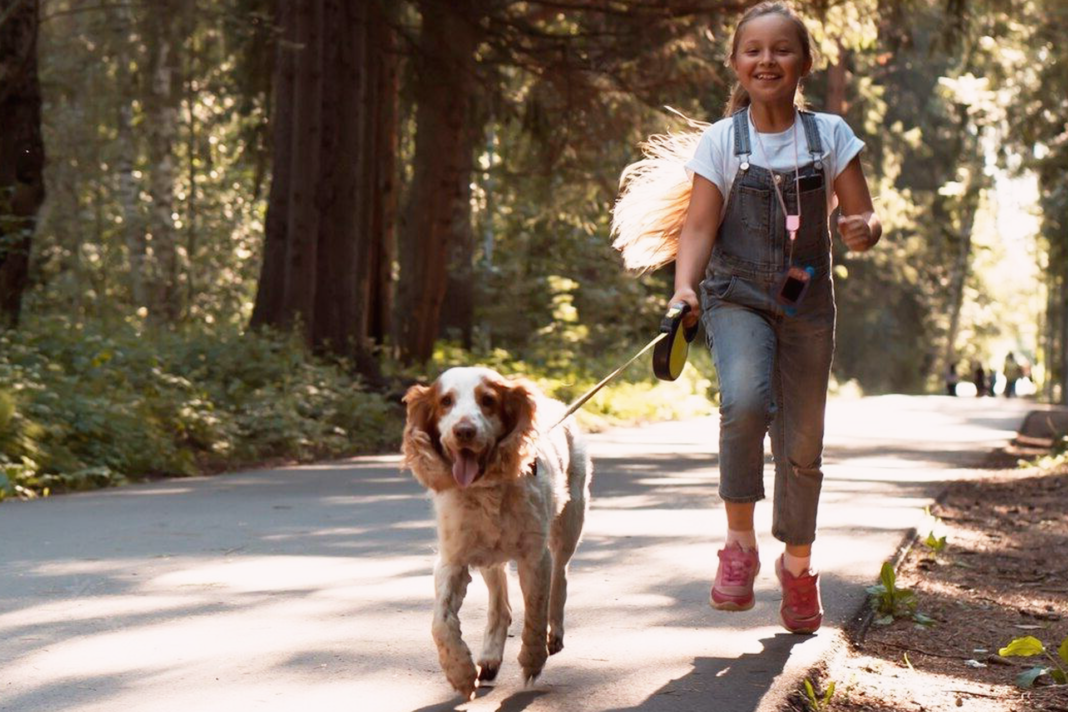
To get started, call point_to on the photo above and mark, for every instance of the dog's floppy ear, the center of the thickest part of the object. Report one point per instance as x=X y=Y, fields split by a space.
x=420 y=403
x=518 y=409
x=422 y=440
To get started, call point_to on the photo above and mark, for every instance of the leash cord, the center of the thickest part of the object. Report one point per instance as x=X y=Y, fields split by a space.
x=590 y=393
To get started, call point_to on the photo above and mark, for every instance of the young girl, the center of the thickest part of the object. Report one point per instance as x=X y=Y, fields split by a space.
x=765 y=179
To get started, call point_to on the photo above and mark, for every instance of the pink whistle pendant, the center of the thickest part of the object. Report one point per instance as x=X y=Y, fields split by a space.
x=793 y=223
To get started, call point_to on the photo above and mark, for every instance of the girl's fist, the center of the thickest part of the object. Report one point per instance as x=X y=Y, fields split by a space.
x=856 y=232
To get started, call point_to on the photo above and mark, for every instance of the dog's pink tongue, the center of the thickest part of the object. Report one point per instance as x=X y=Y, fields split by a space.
x=464 y=468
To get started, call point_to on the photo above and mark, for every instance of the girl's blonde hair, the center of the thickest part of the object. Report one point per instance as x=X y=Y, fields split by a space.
x=654 y=193
x=739 y=96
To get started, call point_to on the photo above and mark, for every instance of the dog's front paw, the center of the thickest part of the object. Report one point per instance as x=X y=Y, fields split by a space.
x=463 y=676
x=488 y=669
x=532 y=658
x=556 y=643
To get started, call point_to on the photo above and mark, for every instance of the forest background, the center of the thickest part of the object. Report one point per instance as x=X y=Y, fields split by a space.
x=231 y=231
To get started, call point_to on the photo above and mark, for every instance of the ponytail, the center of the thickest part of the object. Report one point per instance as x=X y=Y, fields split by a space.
x=654 y=194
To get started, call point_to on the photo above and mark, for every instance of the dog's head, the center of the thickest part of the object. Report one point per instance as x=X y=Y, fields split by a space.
x=471 y=425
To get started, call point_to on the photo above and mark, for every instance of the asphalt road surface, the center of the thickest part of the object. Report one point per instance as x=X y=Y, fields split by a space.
x=310 y=588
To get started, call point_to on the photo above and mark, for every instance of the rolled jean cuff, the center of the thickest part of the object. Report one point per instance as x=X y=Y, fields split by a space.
x=792 y=541
x=746 y=499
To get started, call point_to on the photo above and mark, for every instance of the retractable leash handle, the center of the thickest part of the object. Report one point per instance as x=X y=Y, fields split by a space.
x=669 y=354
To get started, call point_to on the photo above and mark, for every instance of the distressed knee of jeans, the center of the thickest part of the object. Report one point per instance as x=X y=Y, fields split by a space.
x=814 y=469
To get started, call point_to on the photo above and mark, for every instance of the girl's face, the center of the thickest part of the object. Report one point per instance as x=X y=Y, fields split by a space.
x=770 y=60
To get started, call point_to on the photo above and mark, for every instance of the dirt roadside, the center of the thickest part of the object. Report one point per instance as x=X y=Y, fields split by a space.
x=1002 y=574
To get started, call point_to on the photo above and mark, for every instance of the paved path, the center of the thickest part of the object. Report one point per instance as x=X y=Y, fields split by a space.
x=309 y=588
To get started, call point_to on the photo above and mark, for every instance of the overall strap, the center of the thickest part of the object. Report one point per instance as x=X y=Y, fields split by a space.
x=812 y=136
x=741 y=132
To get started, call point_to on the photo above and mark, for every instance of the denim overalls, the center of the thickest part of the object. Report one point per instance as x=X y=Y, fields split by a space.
x=773 y=368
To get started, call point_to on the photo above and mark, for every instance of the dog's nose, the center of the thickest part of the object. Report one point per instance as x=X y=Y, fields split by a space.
x=464 y=432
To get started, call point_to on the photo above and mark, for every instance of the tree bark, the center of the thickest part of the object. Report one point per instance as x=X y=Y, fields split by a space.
x=21 y=151
x=133 y=227
x=269 y=290
x=336 y=320
x=384 y=210
x=162 y=102
x=443 y=89
x=302 y=229
x=458 y=309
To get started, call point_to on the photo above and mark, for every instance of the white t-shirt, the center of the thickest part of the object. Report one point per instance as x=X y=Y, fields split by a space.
x=715 y=159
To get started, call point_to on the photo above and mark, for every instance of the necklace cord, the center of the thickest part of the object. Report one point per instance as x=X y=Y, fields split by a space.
x=775 y=184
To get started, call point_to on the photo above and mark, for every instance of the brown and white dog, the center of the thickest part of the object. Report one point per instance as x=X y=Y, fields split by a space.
x=506 y=486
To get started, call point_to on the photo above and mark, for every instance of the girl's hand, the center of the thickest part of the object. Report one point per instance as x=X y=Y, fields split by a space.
x=687 y=295
x=856 y=231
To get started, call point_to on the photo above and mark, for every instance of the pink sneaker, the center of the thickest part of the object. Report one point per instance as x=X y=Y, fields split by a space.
x=733 y=587
x=801 y=610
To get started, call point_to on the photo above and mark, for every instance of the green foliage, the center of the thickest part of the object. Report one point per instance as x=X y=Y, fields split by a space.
x=890 y=602
x=814 y=701
x=1029 y=646
x=937 y=545
x=91 y=405
x=1056 y=457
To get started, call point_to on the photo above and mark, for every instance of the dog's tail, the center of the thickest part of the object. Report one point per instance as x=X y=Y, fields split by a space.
x=653 y=197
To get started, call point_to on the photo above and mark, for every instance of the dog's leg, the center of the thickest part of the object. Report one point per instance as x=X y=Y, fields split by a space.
x=563 y=547
x=498 y=620
x=450 y=581
x=534 y=577
x=564 y=539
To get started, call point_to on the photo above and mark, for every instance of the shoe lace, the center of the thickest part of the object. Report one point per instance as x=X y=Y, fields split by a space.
x=736 y=569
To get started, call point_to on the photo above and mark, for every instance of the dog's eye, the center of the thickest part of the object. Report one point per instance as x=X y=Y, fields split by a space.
x=446 y=401
x=488 y=401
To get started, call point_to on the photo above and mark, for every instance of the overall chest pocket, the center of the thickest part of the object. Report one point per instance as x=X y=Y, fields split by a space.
x=814 y=217
x=754 y=207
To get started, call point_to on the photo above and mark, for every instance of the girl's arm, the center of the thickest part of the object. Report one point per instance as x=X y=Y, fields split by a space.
x=695 y=244
x=858 y=224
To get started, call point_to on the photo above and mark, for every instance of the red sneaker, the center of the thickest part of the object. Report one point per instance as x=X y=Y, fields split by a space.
x=801 y=610
x=733 y=587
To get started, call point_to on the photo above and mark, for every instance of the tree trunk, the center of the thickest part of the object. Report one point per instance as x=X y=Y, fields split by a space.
x=133 y=227
x=382 y=234
x=324 y=205
x=1059 y=339
x=21 y=151
x=458 y=309
x=269 y=290
x=443 y=89
x=162 y=101
x=302 y=229
x=336 y=321
x=837 y=83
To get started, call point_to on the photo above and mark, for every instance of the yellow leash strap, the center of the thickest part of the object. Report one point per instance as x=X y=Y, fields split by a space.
x=590 y=393
x=672 y=346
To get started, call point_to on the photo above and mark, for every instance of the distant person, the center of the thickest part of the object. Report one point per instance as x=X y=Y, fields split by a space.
x=1013 y=372
x=979 y=378
x=952 y=379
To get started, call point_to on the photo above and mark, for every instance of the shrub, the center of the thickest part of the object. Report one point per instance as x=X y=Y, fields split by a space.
x=90 y=405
